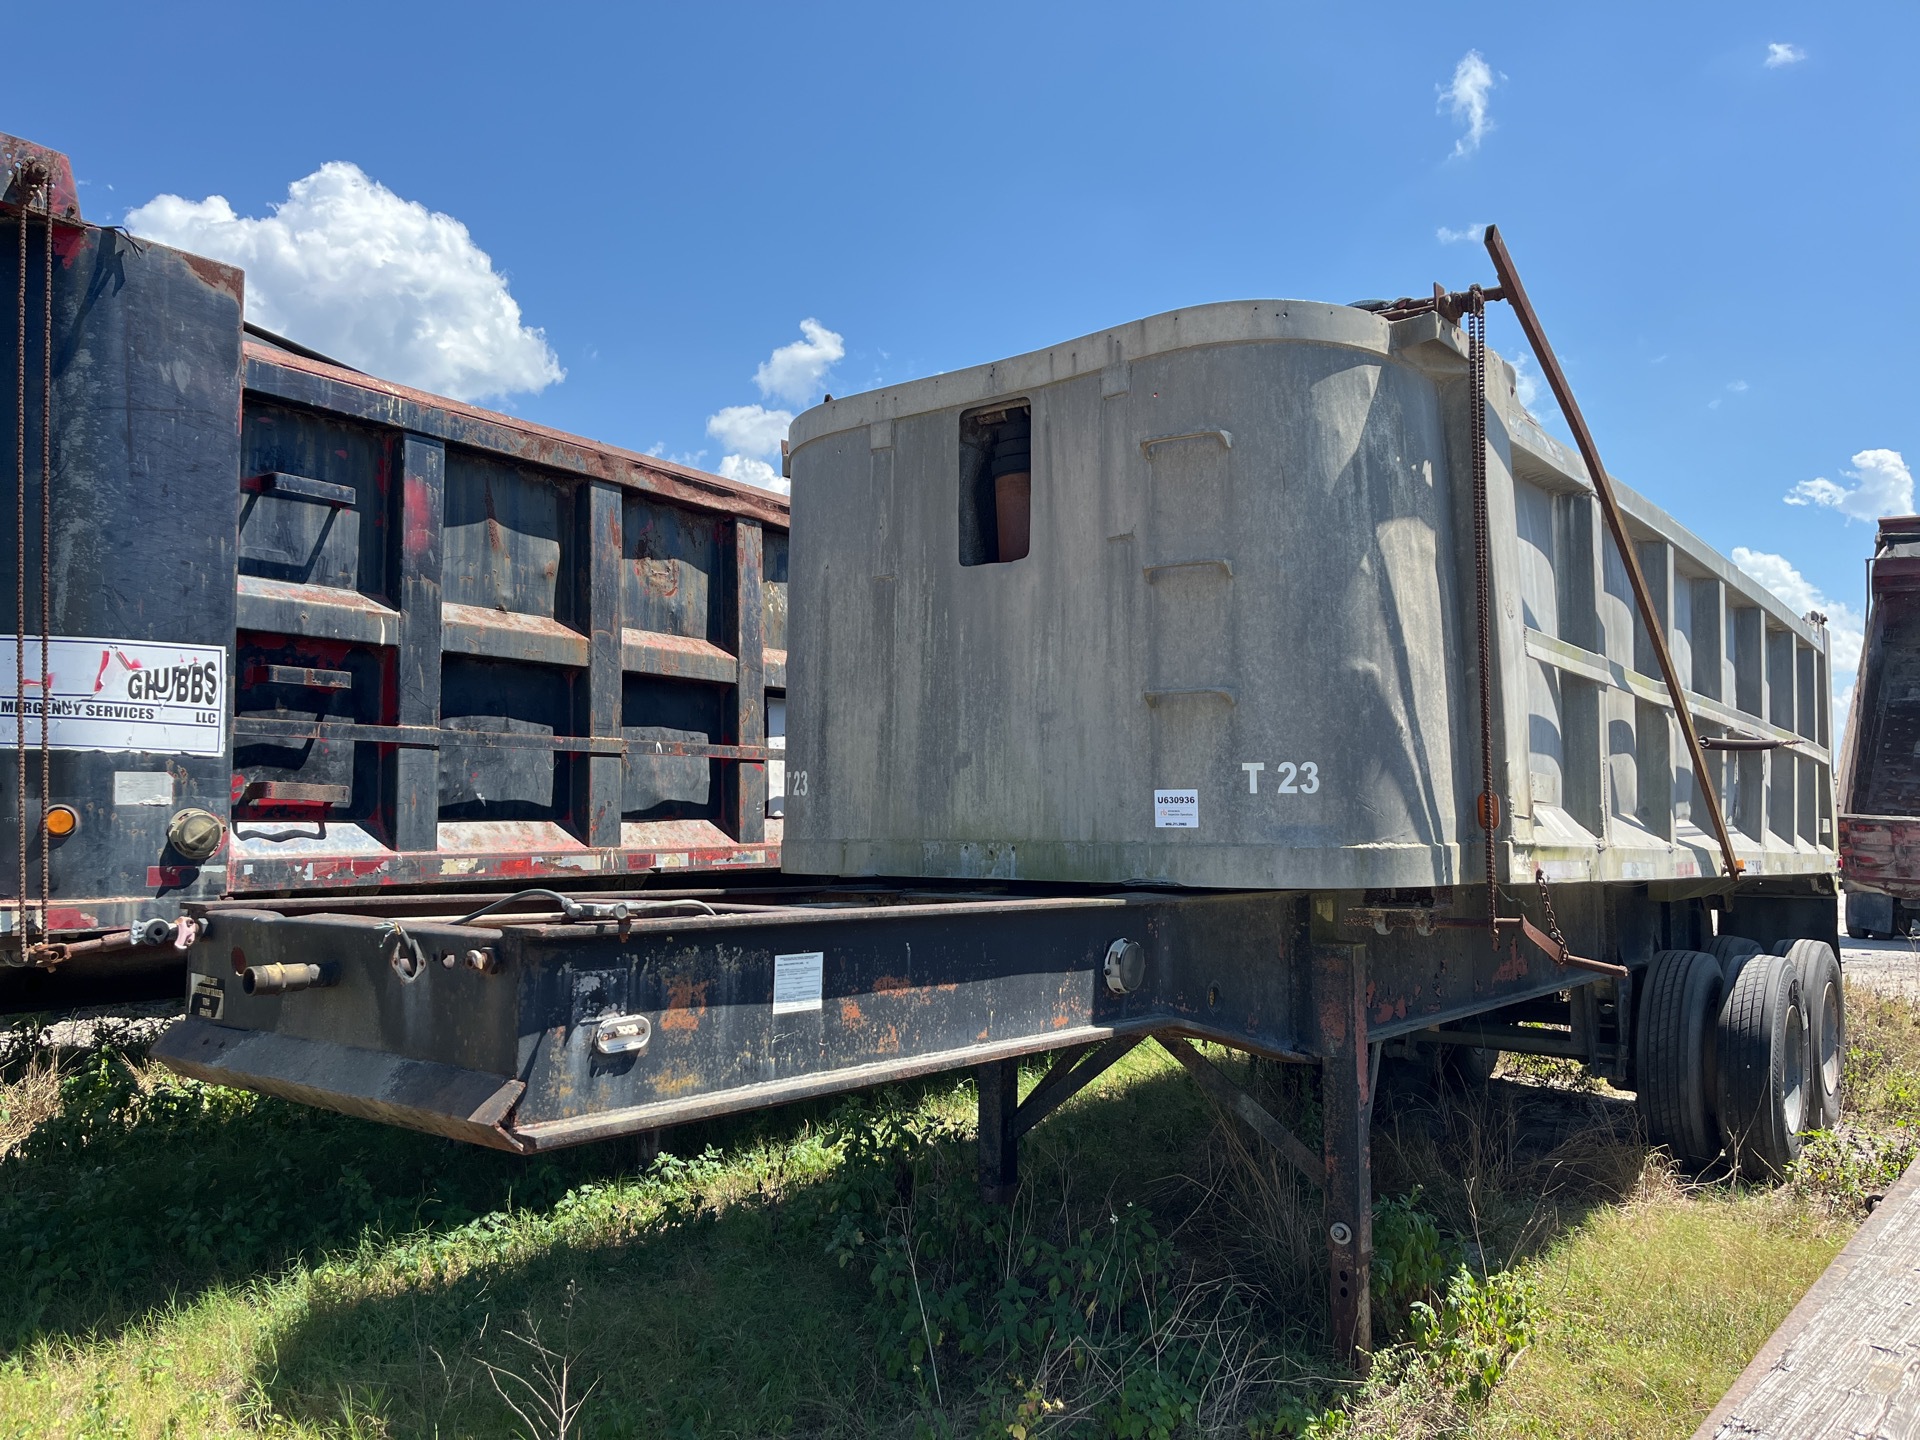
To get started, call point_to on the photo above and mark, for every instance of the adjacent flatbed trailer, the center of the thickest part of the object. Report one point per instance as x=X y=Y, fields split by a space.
x=307 y=631
x=1879 y=779
x=1259 y=673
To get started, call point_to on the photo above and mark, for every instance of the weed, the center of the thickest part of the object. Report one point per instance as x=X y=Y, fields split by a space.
x=544 y=1399
x=1847 y=1170
x=1057 y=1323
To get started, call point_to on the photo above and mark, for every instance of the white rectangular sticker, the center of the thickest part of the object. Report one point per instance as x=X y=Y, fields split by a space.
x=796 y=982
x=120 y=695
x=1176 y=809
x=142 y=787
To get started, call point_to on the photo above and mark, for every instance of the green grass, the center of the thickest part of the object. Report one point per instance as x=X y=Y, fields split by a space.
x=1652 y=1310
x=181 y=1260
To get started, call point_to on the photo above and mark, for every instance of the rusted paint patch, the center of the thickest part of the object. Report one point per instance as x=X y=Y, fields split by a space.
x=225 y=278
x=850 y=1013
x=1514 y=967
x=371 y=398
x=686 y=1004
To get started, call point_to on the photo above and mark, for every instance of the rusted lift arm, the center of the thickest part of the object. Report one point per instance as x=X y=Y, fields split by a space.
x=1515 y=295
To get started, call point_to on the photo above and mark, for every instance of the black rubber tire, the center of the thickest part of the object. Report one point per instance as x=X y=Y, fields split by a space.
x=1674 y=1058
x=1733 y=952
x=1468 y=1067
x=1763 y=1087
x=1826 y=1002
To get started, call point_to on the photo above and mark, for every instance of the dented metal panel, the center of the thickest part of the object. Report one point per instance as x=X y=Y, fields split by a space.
x=1240 y=650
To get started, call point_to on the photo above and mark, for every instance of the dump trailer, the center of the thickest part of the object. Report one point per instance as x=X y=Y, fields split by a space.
x=1879 y=780
x=1259 y=673
x=305 y=631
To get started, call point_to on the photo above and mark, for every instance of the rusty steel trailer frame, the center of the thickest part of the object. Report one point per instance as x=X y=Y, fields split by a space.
x=528 y=1030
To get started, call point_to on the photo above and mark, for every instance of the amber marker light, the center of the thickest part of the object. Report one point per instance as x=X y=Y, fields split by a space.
x=62 y=821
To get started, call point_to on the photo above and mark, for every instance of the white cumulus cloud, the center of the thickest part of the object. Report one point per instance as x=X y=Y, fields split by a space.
x=751 y=434
x=350 y=268
x=794 y=373
x=1448 y=236
x=1846 y=627
x=1465 y=98
x=1882 y=486
x=750 y=429
x=749 y=471
x=1779 y=55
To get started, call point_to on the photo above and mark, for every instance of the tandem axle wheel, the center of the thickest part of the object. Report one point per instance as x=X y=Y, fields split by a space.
x=1740 y=1052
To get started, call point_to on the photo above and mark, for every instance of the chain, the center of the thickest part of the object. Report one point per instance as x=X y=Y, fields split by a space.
x=1489 y=808
x=1546 y=906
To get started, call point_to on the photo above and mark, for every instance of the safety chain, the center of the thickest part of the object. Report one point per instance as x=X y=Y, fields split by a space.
x=1546 y=906
x=1475 y=315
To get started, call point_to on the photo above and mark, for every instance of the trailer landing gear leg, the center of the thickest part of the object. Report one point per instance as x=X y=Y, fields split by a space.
x=999 y=1141
x=1349 y=1115
x=1346 y=1091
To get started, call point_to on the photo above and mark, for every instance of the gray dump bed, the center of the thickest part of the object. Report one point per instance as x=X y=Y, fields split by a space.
x=1240 y=650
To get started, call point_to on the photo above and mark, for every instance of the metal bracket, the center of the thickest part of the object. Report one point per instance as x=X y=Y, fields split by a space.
x=1232 y=1098
x=1070 y=1074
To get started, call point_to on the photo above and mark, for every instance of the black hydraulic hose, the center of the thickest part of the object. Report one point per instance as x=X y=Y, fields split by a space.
x=594 y=910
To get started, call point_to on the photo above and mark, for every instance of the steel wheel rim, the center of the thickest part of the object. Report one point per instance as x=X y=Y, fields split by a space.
x=1794 y=1068
x=1829 y=1041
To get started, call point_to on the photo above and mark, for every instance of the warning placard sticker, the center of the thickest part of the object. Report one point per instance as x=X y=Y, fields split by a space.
x=1176 y=809
x=118 y=695
x=206 y=996
x=797 y=982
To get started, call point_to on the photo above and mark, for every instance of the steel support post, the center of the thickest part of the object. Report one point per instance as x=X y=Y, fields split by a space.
x=1347 y=1109
x=999 y=1140
x=413 y=773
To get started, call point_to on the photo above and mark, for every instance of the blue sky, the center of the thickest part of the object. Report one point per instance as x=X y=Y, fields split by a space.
x=1720 y=247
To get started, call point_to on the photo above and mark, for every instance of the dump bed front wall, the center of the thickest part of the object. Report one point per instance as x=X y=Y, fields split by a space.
x=1180 y=527
x=145 y=390
x=1251 y=555
x=473 y=653
x=454 y=647
x=1880 y=799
